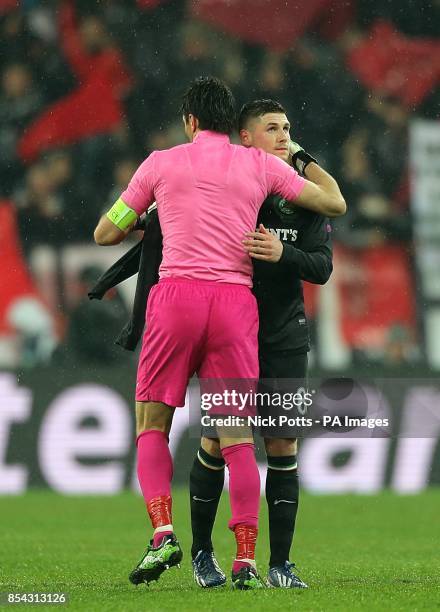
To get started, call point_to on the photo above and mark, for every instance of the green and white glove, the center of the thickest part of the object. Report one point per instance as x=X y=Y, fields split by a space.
x=300 y=159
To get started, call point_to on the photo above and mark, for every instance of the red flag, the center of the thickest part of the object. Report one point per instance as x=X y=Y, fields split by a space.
x=109 y=63
x=94 y=108
x=89 y=111
x=273 y=23
x=394 y=64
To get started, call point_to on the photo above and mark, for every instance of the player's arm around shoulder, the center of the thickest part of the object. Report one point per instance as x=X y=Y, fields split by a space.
x=321 y=193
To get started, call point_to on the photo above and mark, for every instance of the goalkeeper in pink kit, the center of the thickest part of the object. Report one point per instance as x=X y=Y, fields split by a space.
x=202 y=317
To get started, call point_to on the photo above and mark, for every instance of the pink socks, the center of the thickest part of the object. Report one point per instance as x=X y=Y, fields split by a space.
x=155 y=471
x=244 y=484
x=244 y=493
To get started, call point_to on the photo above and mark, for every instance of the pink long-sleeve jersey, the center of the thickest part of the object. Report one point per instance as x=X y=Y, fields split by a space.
x=208 y=195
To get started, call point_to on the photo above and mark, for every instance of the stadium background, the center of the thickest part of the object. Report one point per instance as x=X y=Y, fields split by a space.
x=88 y=89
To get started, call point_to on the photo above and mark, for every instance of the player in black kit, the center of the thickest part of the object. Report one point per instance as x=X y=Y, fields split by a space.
x=290 y=246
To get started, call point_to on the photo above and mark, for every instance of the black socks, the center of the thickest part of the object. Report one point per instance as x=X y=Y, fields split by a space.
x=282 y=492
x=282 y=499
x=205 y=485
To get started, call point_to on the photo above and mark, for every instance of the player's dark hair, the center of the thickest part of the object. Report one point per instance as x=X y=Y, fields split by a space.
x=257 y=108
x=212 y=103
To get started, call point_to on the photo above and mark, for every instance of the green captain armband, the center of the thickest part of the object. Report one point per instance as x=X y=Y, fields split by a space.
x=121 y=215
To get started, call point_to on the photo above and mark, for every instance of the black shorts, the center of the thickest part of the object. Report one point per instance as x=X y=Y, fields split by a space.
x=283 y=380
x=283 y=364
x=283 y=383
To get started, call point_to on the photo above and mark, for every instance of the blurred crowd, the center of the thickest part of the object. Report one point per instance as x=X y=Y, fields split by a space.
x=88 y=89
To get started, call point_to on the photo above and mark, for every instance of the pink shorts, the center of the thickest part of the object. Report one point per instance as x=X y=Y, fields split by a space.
x=196 y=326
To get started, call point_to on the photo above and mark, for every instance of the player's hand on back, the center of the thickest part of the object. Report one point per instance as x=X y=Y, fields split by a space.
x=263 y=245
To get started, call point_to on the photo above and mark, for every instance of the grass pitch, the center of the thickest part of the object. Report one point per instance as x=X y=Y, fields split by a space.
x=356 y=553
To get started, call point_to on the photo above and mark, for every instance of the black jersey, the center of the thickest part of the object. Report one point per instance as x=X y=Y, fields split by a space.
x=307 y=255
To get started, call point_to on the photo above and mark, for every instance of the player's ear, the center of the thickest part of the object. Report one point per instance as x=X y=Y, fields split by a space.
x=194 y=122
x=245 y=138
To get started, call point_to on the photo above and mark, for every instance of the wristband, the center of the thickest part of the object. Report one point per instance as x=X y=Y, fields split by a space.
x=121 y=215
x=301 y=160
